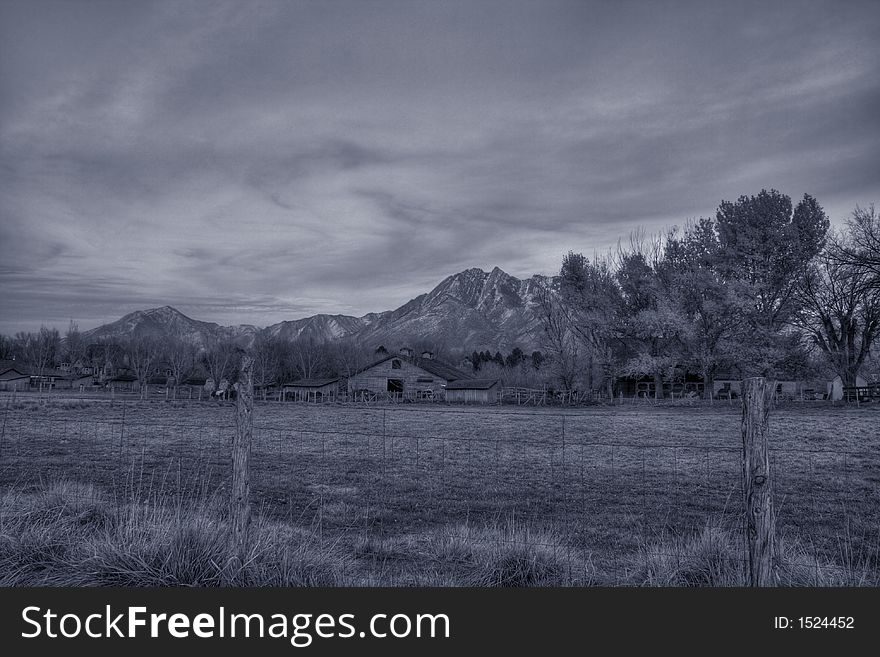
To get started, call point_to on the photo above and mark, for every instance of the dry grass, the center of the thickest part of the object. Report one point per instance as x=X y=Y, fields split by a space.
x=70 y=534
x=431 y=495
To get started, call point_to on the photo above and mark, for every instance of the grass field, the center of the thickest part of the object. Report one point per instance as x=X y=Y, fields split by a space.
x=96 y=492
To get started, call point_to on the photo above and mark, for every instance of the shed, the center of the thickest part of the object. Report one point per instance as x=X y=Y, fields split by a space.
x=474 y=391
x=312 y=390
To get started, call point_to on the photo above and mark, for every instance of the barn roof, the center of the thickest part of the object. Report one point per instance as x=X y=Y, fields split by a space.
x=430 y=365
x=438 y=368
x=311 y=383
x=471 y=384
x=6 y=365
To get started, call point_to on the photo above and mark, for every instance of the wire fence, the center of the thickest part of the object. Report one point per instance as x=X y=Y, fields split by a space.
x=597 y=498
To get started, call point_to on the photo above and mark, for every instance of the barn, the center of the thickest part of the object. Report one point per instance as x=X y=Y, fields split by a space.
x=312 y=390
x=404 y=376
x=474 y=391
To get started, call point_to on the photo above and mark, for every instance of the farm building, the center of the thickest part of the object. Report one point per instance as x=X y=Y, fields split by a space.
x=731 y=388
x=49 y=378
x=646 y=386
x=13 y=376
x=402 y=375
x=313 y=390
x=835 y=387
x=75 y=381
x=124 y=382
x=474 y=391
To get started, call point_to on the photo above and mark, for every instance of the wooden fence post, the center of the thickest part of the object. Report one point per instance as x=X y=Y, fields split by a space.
x=239 y=512
x=760 y=517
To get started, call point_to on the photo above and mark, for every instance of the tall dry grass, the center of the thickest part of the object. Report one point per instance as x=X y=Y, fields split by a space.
x=73 y=534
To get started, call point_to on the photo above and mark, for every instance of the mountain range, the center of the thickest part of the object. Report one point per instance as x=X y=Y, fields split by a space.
x=473 y=309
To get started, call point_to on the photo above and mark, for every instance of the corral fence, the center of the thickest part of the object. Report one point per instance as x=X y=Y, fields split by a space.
x=508 y=395
x=599 y=498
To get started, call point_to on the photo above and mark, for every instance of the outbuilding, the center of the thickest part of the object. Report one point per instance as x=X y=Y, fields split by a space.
x=474 y=391
x=312 y=390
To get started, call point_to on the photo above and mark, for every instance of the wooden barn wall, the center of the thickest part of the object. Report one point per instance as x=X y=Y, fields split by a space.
x=473 y=396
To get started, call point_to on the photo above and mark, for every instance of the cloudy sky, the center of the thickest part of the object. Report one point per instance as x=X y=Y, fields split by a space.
x=251 y=162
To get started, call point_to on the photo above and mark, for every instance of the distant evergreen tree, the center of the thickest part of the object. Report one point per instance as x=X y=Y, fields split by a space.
x=537 y=359
x=515 y=357
x=381 y=350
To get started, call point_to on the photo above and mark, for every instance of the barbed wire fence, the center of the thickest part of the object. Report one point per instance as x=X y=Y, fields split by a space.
x=410 y=491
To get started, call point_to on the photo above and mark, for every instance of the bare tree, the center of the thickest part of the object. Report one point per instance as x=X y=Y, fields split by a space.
x=220 y=358
x=560 y=339
x=143 y=353
x=268 y=355
x=7 y=348
x=39 y=350
x=106 y=357
x=73 y=345
x=840 y=311
x=349 y=356
x=181 y=357
x=308 y=356
x=861 y=248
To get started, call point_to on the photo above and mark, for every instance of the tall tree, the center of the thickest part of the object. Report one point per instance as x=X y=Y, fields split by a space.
x=268 y=354
x=592 y=303
x=39 y=350
x=861 y=249
x=220 y=359
x=349 y=355
x=181 y=357
x=307 y=356
x=73 y=345
x=7 y=349
x=143 y=353
x=840 y=311
x=560 y=340
x=701 y=296
x=766 y=247
x=650 y=323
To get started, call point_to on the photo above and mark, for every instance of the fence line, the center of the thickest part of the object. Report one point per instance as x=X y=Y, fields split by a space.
x=566 y=479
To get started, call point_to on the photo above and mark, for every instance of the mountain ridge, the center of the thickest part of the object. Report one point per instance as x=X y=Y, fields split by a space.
x=474 y=309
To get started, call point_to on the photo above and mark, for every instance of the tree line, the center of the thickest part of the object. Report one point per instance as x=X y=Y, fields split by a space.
x=765 y=287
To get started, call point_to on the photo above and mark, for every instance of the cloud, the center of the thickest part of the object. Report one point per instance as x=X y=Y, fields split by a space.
x=266 y=161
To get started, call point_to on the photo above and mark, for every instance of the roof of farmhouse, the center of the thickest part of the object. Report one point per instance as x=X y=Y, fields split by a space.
x=6 y=365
